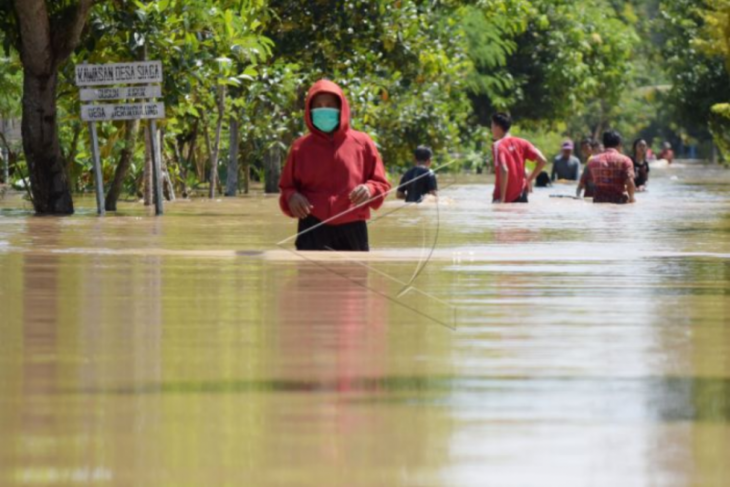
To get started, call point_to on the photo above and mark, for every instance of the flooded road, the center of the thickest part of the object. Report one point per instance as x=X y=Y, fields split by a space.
x=556 y=343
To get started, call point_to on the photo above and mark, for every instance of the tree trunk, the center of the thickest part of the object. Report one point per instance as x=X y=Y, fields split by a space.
x=232 y=173
x=246 y=176
x=168 y=188
x=272 y=169
x=48 y=180
x=43 y=49
x=208 y=145
x=125 y=161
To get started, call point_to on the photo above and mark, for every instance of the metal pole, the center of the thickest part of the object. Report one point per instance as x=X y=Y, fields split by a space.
x=156 y=168
x=4 y=152
x=6 y=166
x=97 y=169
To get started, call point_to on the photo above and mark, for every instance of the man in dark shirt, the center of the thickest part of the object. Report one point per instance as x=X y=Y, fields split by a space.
x=419 y=181
x=566 y=166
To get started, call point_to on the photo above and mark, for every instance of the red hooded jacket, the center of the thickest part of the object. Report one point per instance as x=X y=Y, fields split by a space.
x=325 y=168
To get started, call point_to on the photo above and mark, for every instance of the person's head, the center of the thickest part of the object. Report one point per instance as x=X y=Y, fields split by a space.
x=326 y=100
x=596 y=147
x=640 y=147
x=423 y=155
x=567 y=148
x=585 y=147
x=501 y=123
x=667 y=146
x=612 y=139
x=325 y=108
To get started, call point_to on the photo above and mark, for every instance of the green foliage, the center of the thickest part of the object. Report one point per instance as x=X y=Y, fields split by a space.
x=415 y=72
x=714 y=41
x=700 y=79
x=720 y=128
x=11 y=82
x=401 y=64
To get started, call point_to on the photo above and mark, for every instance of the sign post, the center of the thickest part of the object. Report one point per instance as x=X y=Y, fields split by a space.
x=98 y=180
x=156 y=167
x=146 y=72
x=6 y=165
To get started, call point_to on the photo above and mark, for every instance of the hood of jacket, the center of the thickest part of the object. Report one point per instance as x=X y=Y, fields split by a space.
x=326 y=86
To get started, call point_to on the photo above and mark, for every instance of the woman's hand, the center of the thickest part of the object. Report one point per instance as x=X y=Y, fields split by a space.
x=360 y=195
x=299 y=206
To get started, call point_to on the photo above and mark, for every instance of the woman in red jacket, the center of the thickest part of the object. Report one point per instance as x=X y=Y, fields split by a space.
x=333 y=176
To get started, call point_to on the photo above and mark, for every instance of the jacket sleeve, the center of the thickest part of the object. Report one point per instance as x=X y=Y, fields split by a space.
x=287 y=183
x=376 y=181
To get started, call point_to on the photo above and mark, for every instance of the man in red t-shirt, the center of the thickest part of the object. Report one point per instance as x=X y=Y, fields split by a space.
x=611 y=173
x=510 y=154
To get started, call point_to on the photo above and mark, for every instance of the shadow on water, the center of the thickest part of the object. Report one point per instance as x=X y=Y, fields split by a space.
x=670 y=399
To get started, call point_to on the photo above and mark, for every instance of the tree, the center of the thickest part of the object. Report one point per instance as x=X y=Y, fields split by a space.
x=45 y=34
x=699 y=78
x=209 y=53
x=714 y=41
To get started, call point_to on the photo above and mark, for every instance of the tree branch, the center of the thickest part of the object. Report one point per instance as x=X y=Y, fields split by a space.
x=68 y=34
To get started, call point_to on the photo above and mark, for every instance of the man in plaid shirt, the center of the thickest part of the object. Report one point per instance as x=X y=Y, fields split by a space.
x=611 y=172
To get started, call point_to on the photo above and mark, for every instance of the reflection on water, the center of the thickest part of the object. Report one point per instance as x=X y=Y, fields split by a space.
x=592 y=345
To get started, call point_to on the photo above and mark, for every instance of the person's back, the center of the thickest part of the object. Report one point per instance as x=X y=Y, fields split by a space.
x=418 y=181
x=611 y=173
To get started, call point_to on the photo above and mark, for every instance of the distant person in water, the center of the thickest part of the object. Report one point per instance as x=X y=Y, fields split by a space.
x=333 y=176
x=510 y=153
x=667 y=153
x=596 y=147
x=641 y=164
x=566 y=166
x=420 y=180
x=543 y=180
x=585 y=149
x=611 y=172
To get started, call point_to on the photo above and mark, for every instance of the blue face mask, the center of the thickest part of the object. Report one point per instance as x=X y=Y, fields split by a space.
x=326 y=119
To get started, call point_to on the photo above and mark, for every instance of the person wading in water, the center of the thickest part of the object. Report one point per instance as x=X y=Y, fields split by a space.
x=510 y=154
x=641 y=164
x=333 y=176
x=611 y=172
x=420 y=180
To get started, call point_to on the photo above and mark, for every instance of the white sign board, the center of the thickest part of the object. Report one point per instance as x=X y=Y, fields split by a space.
x=131 y=111
x=105 y=94
x=119 y=74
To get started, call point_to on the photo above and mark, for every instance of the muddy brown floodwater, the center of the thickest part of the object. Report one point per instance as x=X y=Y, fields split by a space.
x=557 y=343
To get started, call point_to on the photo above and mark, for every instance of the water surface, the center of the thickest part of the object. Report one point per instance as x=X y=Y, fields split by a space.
x=555 y=343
